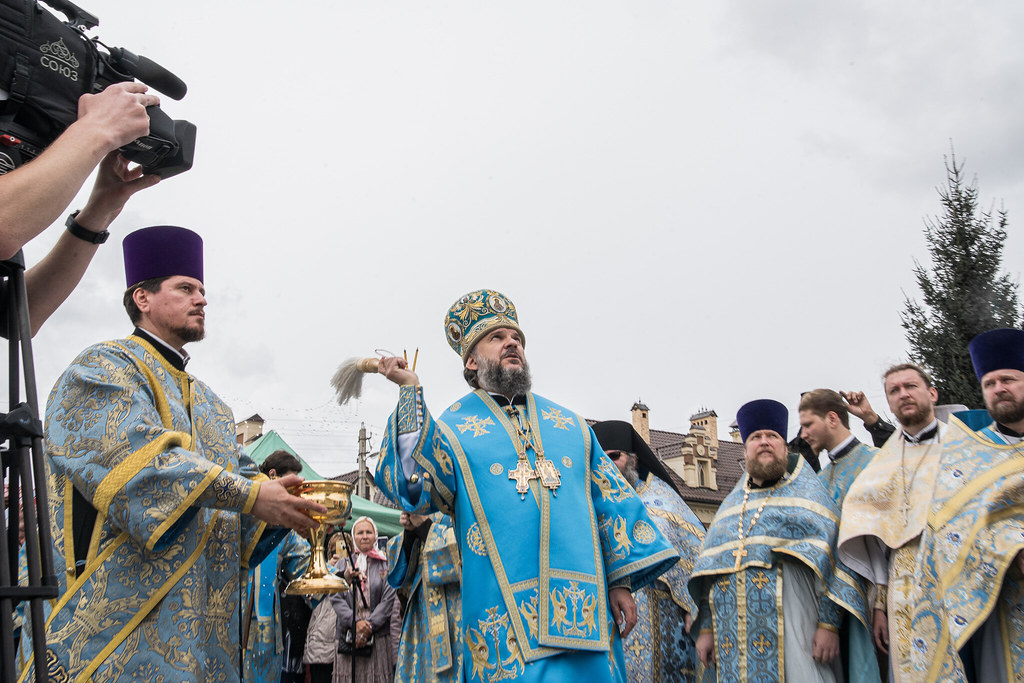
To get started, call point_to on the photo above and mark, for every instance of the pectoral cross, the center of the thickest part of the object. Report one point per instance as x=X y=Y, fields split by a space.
x=522 y=475
x=905 y=510
x=739 y=554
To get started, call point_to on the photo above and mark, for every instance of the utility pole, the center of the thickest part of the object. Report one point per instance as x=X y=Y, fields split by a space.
x=361 y=481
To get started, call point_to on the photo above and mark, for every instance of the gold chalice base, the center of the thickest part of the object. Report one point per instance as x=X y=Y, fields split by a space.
x=317 y=585
x=336 y=497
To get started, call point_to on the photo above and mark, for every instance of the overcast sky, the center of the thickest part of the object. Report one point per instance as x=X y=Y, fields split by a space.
x=691 y=204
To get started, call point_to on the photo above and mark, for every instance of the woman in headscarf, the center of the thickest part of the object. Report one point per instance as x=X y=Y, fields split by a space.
x=370 y=625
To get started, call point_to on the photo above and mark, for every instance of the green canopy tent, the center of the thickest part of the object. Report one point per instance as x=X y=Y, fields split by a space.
x=262 y=446
x=385 y=518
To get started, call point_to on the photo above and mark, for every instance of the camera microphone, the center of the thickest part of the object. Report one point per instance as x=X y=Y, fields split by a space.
x=150 y=73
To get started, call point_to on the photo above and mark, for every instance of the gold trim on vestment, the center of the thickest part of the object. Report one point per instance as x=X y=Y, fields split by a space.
x=955 y=570
x=780 y=637
x=148 y=606
x=677 y=520
x=777 y=545
x=1002 y=566
x=741 y=623
x=784 y=501
x=75 y=587
x=257 y=535
x=506 y=423
x=492 y=550
x=186 y=503
x=69 y=526
x=834 y=597
x=952 y=507
x=254 y=492
x=980 y=438
x=261 y=526
x=126 y=470
x=439 y=493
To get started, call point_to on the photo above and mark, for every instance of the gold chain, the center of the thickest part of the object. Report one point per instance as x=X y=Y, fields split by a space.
x=524 y=432
x=740 y=552
x=903 y=475
x=544 y=470
x=743 y=508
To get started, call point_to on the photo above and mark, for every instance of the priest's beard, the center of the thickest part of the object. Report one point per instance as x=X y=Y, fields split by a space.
x=916 y=419
x=190 y=334
x=507 y=381
x=1007 y=412
x=632 y=475
x=767 y=471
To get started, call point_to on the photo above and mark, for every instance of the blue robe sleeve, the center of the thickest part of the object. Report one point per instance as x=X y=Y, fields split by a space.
x=294 y=556
x=416 y=468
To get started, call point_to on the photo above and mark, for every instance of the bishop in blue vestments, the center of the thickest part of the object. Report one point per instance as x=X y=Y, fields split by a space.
x=552 y=538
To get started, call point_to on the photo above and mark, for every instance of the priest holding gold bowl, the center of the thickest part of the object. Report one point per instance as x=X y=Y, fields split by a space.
x=157 y=512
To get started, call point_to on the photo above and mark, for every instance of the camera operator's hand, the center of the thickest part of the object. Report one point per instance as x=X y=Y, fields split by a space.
x=118 y=113
x=51 y=281
x=115 y=183
x=37 y=193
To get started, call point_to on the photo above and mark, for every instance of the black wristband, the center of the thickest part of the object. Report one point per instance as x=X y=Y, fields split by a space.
x=86 y=235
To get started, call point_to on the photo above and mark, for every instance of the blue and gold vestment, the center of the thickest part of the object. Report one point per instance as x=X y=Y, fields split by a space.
x=156 y=591
x=738 y=578
x=264 y=653
x=856 y=647
x=958 y=573
x=659 y=649
x=536 y=568
x=429 y=574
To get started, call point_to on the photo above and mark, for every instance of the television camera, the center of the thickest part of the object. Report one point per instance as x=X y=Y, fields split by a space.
x=46 y=64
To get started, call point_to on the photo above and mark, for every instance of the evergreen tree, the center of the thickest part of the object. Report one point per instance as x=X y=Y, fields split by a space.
x=964 y=293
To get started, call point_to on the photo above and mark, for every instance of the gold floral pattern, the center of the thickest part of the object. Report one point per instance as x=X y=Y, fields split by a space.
x=643 y=532
x=555 y=415
x=475 y=540
x=476 y=424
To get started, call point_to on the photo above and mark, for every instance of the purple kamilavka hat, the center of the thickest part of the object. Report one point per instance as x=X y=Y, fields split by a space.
x=763 y=413
x=1001 y=349
x=162 y=251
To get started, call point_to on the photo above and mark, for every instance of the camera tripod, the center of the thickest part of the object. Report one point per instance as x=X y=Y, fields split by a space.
x=21 y=466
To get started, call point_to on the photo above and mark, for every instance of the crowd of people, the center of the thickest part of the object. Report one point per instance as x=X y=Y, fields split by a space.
x=535 y=548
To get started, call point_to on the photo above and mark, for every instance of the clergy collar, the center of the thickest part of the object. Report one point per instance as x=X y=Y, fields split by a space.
x=766 y=485
x=1006 y=431
x=926 y=435
x=177 y=359
x=504 y=401
x=848 y=444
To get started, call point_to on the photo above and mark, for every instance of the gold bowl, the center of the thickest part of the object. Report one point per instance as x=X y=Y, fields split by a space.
x=336 y=496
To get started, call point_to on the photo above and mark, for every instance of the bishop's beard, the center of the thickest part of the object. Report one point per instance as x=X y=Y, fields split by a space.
x=507 y=381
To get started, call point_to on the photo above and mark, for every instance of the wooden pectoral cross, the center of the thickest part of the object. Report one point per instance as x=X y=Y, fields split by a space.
x=739 y=554
x=522 y=475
